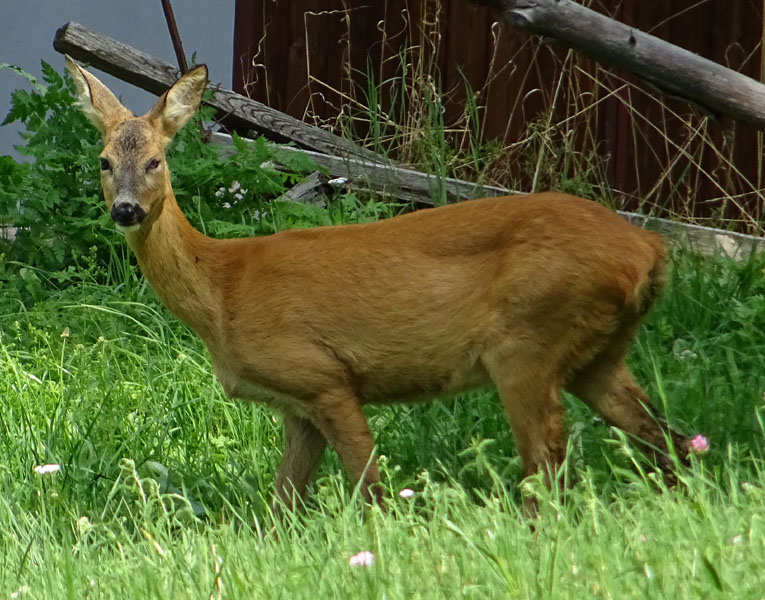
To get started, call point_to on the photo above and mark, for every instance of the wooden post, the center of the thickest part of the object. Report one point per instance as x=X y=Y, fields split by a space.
x=175 y=37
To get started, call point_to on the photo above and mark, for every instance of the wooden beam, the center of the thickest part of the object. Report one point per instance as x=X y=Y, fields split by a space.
x=237 y=112
x=404 y=184
x=704 y=240
x=681 y=73
x=312 y=190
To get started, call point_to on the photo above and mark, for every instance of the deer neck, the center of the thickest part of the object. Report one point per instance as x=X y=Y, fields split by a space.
x=176 y=260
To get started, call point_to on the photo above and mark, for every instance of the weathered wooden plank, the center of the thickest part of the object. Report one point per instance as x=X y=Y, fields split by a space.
x=404 y=184
x=240 y=112
x=246 y=16
x=312 y=190
x=705 y=240
x=673 y=69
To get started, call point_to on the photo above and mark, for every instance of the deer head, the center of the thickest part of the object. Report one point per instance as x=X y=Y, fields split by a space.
x=134 y=174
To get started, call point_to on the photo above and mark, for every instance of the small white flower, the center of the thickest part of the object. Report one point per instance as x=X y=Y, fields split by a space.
x=65 y=333
x=84 y=525
x=406 y=493
x=362 y=559
x=47 y=469
x=267 y=165
x=24 y=589
x=738 y=540
x=219 y=193
x=235 y=186
x=687 y=356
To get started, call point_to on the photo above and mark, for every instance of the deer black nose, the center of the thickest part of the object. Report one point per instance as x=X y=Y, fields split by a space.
x=127 y=213
x=123 y=211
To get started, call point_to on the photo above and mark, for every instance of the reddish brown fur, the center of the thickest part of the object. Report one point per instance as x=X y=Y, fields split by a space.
x=530 y=293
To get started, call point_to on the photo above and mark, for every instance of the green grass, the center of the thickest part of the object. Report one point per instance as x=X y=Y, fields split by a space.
x=165 y=484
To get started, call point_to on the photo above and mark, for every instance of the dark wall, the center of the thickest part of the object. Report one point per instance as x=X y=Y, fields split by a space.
x=313 y=62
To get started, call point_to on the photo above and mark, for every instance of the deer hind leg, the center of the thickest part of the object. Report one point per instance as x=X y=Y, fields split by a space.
x=304 y=448
x=337 y=414
x=607 y=386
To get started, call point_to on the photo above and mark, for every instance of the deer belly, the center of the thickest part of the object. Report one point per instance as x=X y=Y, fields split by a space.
x=236 y=386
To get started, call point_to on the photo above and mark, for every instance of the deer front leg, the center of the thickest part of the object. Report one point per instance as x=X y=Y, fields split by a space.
x=303 y=450
x=337 y=414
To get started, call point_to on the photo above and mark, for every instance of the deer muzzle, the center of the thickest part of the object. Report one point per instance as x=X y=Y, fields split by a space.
x=127 y=213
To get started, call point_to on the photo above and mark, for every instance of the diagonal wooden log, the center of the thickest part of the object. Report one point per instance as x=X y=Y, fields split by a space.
x=236 y=111
x=715 y=88
x=403 y=184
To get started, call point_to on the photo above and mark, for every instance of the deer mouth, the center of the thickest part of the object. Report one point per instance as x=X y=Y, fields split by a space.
x=127 y=215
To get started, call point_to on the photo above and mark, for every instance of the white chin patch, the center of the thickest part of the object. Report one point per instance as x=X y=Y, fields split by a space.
x=127 y=228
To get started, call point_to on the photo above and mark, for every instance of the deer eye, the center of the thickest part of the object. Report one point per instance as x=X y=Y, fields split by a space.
x=152 y=164
x=105 y=164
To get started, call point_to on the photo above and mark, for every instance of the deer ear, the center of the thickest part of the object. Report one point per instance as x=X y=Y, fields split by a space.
x=178 y=104
x=100 y=106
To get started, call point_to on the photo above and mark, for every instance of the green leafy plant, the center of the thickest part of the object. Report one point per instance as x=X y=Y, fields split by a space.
x=54 y=202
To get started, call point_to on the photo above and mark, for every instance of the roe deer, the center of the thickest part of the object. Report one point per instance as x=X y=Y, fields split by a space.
x=531 y=293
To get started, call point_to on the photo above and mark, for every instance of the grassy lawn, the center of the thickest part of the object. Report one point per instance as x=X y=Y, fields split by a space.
x=164 y=484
